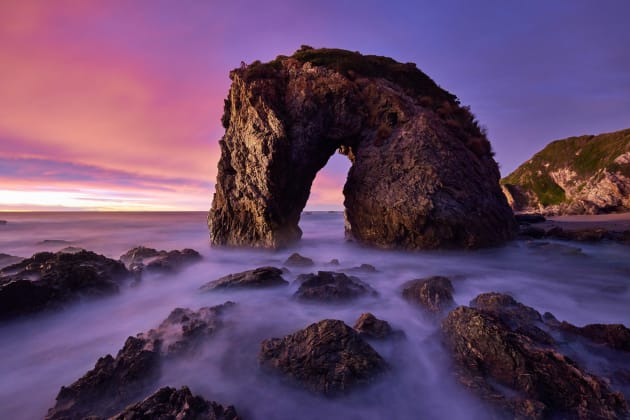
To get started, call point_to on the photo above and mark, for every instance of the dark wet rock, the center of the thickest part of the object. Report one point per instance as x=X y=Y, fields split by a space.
x=112 y=384
x=116 y=382
x=257 y=278
x=363 y=268
x=141 y=258
x=422 y=175
x=520 y=318
x=555 y=248
x=370 y=326
x=435 y=294
x=614 y=336
x=329 y=286
x=176 y=404
x=520 y=375
x=507 y=308
x=333 y=263
x=581 y=235
x=47 y=280
x=327 y=357
x=138 y=255
x=531 y=232
x=529 y=218
x=297 y=260
x=3 y=222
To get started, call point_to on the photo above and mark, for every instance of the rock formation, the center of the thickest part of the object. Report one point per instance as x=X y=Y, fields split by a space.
x=434 y=294
x=503 y=351
x=141 y=258
x=328 y=286
x=327 y=357
x=422 y=171
x=118 y=381
x=47 y=280
x=170 y=403
x=369 y=326
x=578 y=175
x=257 y=278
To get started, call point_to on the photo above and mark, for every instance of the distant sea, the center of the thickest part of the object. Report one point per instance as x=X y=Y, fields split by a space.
x=41 y=353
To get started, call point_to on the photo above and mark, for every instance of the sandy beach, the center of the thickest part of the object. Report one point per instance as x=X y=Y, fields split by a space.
x=617 y=222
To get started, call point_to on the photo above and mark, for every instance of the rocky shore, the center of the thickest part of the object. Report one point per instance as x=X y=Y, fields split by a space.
x=521 y=363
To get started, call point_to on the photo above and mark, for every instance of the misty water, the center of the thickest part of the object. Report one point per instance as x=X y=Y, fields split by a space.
x=40 y=353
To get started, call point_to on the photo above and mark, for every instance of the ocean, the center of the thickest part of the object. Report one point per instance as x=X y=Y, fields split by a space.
x=40 y=353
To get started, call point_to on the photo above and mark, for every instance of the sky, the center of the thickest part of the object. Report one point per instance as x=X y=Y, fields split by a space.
x=116 y=104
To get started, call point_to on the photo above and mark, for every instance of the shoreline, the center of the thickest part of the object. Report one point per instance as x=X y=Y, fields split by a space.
x=614 y=222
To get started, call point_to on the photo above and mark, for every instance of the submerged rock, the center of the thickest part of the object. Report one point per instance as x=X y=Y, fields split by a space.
x=141 y=258
x=434 y=294
x=170 y=403
x=47 y=280
x=363 y=268
x=369 y=326
x=297 y=260
x=422 y=174
x=327 y=357
x=257 y=278
x=328 y=286
x=522 y=374
x=116 y=382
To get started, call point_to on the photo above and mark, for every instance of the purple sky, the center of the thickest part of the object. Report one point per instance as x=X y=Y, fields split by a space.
x=123 y=98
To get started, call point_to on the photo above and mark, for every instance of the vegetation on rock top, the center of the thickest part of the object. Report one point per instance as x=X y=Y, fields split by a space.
x=588 y=156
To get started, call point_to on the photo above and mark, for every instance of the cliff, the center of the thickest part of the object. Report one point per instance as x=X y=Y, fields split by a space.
x=578 y=175
x=422 y=173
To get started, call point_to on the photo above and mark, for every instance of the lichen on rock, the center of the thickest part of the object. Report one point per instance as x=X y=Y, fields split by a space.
x=422 y=173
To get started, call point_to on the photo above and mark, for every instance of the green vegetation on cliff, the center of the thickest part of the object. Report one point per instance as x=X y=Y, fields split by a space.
x=414 y=82
x=586 y=156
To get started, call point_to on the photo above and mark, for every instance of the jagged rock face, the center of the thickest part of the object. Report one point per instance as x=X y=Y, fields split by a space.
x=369 y=326
x=329 y=286
x=422 y=172
x=171 y=403
x=118 y=381
x=502 y=354
x=327 y=357
x=578 y=175
x=257 y=278
x=434 y=294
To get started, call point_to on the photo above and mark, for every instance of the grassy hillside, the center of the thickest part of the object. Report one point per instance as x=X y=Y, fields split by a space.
x=587 y=156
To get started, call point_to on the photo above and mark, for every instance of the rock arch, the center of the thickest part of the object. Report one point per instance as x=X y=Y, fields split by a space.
x=422 y=172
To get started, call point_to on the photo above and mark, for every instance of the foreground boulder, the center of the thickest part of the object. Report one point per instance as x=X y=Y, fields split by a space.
x=141 y=258
x=497 y=356
x=171 y=403
x=434 y=294
x=422 y=174
x=116 y=382
x=47 y=280
x=328 y=286
x=327 y=357
x=257 y=278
